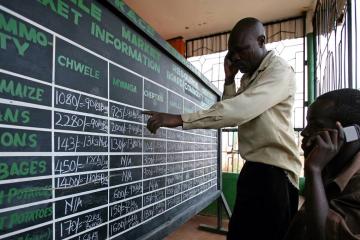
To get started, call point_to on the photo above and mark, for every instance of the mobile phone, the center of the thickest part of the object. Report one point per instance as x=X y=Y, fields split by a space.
x=351 y=133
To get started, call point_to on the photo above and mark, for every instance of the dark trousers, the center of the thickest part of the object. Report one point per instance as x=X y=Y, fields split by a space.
x=266 y=202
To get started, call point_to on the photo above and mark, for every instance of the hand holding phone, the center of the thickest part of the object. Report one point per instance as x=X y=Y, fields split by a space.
x=324 y=145
x=230 y=69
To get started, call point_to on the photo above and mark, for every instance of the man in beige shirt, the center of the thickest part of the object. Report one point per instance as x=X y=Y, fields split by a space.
x=267 y=194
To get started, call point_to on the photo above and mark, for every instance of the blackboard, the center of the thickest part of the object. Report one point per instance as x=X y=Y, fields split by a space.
x=77 y=161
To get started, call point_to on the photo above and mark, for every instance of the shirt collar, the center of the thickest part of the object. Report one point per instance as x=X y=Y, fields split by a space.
x=246 y=80
x=344 y=177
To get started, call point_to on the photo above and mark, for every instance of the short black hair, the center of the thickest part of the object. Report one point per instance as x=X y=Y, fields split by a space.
x=246 y=23
x=346 y=108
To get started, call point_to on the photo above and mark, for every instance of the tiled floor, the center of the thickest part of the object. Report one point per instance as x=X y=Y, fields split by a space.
x=189 y=231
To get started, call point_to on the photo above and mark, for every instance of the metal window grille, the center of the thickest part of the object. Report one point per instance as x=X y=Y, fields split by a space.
x=336 y=42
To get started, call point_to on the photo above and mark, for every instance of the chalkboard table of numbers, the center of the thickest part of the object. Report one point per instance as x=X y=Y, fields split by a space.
x=76 y=159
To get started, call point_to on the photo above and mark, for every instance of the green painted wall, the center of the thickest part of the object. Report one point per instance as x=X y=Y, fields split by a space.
x=229 y=190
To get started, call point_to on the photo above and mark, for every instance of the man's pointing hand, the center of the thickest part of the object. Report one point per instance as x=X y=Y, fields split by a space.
x=158 y=119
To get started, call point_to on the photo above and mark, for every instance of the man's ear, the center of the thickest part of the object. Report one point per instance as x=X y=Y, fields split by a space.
x=261 y=40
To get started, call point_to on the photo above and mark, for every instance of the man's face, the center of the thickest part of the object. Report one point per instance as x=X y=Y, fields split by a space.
x=318 y=119
x=245 y=52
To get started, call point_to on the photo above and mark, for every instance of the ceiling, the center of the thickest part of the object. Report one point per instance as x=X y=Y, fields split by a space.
x=196 y=18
